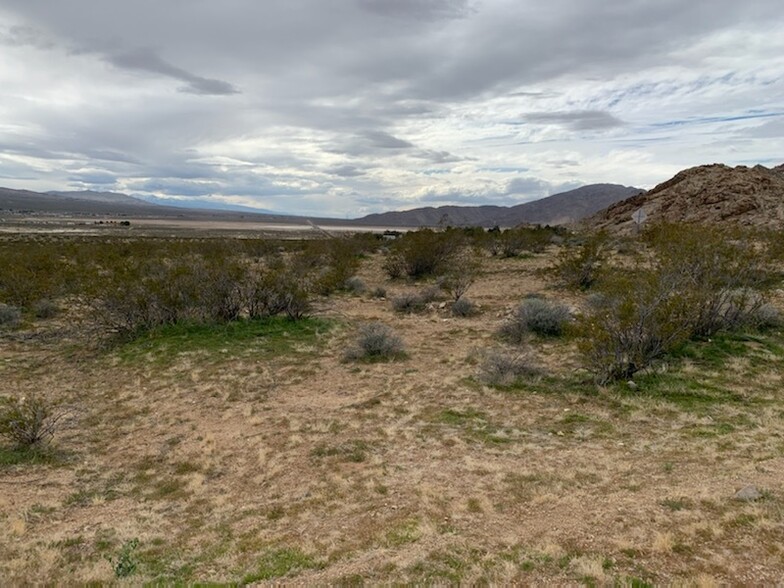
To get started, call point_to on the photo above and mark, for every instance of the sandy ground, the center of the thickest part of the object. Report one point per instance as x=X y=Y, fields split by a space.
x=409 y=471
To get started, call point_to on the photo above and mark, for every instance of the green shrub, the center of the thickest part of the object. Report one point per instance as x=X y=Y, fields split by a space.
x=720 y=272
x=29 y=422
x=535 y=315
x=459 y=276
x=423 y=253
x=579 y=266
x=513 y=242
x=638 y=319
x=376 y=341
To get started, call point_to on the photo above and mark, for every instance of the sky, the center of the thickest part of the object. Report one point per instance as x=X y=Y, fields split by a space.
x=347 y=107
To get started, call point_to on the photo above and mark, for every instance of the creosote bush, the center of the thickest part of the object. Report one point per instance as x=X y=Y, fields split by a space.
x=376 y=341
x=535 y=315
x=513 y=242
x=697 y=281
x=419 y=254
x=501 y=368
x=29 y=422
x=579 y=265
x=636 y=320
x=459 y=277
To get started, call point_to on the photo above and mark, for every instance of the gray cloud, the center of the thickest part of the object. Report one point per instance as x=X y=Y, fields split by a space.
x=20 y=36
x=147 y=60
x=346 y=171
x=578 y=120
x=417 y=9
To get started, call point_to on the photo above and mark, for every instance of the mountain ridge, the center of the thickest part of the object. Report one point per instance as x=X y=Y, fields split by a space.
x=715 y=193
x=561 y=208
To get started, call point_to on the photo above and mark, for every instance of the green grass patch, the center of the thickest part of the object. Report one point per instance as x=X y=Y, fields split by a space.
x=475 y=425
x=403 y=534
x=440 y=567
x=12 y=456
x=354 y=451
x=281 y=562
x=271 y=337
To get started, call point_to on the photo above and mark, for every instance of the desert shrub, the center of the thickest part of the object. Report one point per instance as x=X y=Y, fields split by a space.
x=535 y=315
x=513 y=242
x=766 y=317
x=332 y=261
x=29 y=422
x=719 y=273
x=30 y=271
x=376 y=341
x=499 y=368
x=422 y=253
x=145 y=293
x=264 y=293
x=579 y=265
x=637 y=319
x=460 y=276
x=354 y=284
x=297 y=303
x=9 y=316
x=463 y=307
x=429 y=294
x=409 y=303
x=45 y=309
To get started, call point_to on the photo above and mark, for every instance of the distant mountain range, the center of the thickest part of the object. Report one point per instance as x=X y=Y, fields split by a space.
x=557 y=209
x=562 y=208
x=111 y=203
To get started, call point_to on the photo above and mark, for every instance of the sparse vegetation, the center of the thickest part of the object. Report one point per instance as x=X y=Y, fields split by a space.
x=463 y=307
x=580 y=264
x=125 y=564
x=423 y=253
x=500 y=368
x=45 y=309
x=233 y=443
x=376 y=341
x=10 y=316
x=29 y=422
x=538 y=316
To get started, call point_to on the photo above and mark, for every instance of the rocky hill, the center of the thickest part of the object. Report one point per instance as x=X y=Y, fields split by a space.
x=709 y=194
x=562 y=208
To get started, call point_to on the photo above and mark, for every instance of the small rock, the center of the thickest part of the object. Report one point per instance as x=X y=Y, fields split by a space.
x=442 y=305
x=748 y=494
x=632 y=385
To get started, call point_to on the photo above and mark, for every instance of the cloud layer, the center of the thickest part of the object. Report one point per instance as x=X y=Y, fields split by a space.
x=356 y=106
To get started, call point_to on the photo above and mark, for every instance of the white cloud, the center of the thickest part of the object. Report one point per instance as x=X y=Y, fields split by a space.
x=361 y=105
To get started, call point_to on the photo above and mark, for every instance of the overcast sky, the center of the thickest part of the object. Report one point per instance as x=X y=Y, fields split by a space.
x=345 y=107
